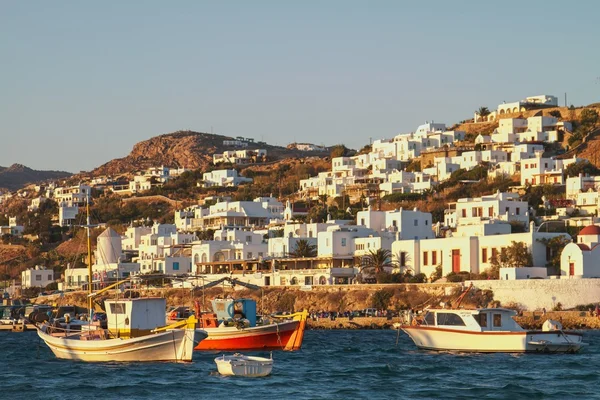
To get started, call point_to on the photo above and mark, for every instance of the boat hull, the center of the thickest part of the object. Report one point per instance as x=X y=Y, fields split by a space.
x=277 y=336
x=239 y=365
x=442 y=339
x=171 y=345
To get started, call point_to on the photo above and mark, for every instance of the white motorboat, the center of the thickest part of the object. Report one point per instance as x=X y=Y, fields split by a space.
x=135 y=332
x=241 y=365
x=487 y=330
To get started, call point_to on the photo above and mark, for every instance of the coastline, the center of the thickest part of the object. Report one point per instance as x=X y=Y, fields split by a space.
x=571 y=320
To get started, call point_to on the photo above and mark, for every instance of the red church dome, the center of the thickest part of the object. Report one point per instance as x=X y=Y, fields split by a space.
x=590 y=230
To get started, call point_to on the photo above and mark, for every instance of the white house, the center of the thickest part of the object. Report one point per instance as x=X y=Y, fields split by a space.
x=544 y=171
x=466 y=253
x=582 y=183
x=13 y=228
x=499 y=206
x=36 y=277
x=580 y=259
x=240 y=156
x=72 y=194
x=67 y=212
x=223 y=178
x=258 y=213
x=408 y=224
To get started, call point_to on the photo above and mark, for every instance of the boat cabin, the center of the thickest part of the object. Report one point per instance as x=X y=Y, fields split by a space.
x=231 y=309
x=480 y=320
x=135 y=317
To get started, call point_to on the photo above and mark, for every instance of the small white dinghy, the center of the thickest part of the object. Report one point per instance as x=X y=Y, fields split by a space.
x=241 y=365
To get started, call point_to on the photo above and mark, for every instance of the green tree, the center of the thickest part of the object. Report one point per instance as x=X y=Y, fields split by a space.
x=589 y=117
x=516 y=255
x=339 y=150
x=376 y=261
x=583 y=167
x=303 y=248
x=555 y=246
x=483 y=112
x=555 y=114
x=381 y=299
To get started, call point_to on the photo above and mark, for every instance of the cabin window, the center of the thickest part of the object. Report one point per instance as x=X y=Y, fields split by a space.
x=449 y=319
x=117 y=308
x=482 y=320
x=497 y=320
x=429 y=319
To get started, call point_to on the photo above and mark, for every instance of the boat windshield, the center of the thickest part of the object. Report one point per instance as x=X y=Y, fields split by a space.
x=429 y=319
x=450 y=319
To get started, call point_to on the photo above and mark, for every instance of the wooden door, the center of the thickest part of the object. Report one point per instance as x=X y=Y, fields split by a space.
x=456 y=261
x=571 y=269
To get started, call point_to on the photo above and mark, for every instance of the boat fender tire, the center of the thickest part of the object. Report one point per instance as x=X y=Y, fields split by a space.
x=415 y=322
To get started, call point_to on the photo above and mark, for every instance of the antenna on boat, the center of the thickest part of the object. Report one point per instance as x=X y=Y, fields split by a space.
x=89 y=249
x=462 y=296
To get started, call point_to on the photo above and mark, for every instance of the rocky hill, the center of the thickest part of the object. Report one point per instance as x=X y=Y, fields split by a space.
x=186 y=149
x=16 y=176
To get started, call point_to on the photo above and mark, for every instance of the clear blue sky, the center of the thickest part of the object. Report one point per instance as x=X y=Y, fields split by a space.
x=81 y=82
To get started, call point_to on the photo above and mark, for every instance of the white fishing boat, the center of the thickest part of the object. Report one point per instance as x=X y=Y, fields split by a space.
x=487 y=330
x=133 y=335
x=241 y=365
x=136 y=330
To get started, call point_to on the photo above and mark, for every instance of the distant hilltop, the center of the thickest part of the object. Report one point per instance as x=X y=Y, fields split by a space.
x=17 y=176
x=187 y=149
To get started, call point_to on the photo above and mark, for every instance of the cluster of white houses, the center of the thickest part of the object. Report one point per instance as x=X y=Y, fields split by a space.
x=516 y=146
x=255 y=242
x=258 y=241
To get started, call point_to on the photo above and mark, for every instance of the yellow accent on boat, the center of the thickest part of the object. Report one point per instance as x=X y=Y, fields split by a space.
x=189 y=323
x=298 y=316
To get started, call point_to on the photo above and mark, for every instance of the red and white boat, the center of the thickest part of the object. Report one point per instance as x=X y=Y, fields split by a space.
x=233 y=326
x=487 y=330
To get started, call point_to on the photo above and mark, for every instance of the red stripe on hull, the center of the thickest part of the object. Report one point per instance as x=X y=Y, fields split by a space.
x=267 y=341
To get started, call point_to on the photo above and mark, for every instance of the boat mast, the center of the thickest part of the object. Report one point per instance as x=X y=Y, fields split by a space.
x=89 y=249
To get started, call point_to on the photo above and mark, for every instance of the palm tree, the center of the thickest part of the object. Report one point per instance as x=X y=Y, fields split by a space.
x=377 y=260
x=483 y=112
x=303 y=248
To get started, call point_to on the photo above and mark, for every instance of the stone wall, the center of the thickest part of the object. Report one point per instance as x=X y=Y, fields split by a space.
x=535 y=294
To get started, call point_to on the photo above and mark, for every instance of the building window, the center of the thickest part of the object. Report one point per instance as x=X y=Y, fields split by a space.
x=484 y=257
x=434 y=258
x=518 y=212
x=425 y=260
x=176 y=266
x=343 y=242
x=416 y=222
x=494 y=253
x=491 y=211
x=38 y=277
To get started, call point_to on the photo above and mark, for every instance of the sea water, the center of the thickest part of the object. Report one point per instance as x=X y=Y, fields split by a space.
x=339 y=364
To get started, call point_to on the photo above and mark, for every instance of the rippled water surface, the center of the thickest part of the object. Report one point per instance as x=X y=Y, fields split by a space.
x=331 y=365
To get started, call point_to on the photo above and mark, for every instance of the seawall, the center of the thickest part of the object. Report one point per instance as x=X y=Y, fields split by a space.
x=536 y=294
